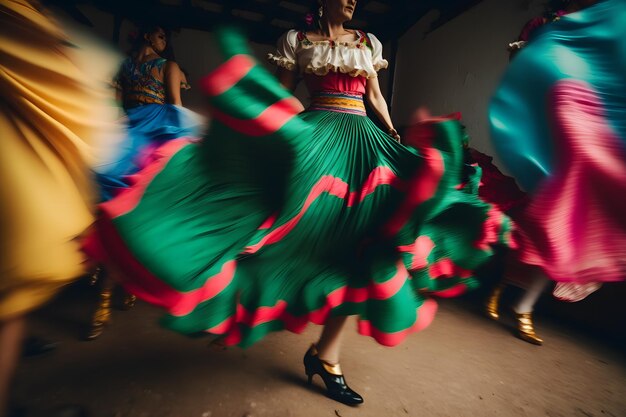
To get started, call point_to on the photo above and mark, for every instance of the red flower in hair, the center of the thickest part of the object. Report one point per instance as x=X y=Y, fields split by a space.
x=309 y=19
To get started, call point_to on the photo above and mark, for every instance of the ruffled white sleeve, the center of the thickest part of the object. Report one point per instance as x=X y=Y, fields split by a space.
x=285 y=55
x=377 y=53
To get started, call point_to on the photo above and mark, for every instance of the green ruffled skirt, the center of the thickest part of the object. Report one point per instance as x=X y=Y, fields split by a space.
x=277 y=219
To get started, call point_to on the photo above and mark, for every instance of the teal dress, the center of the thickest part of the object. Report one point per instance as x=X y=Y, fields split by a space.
x=558 y=121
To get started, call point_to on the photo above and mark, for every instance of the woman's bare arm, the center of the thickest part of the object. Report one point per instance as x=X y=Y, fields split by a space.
x=173 y=78
x=379 y=105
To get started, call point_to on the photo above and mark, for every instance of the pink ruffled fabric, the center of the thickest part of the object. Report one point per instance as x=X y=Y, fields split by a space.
x=575 y=226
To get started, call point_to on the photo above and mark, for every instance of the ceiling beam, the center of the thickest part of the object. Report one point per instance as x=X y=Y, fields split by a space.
x=256 y=16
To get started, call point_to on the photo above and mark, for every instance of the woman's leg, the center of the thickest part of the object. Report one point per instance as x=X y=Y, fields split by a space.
x=500 y=263
x=329 y=344
x=536 y=285
x=323 y=359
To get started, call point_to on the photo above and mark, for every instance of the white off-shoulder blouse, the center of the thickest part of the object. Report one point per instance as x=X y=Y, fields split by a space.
x=362 y=57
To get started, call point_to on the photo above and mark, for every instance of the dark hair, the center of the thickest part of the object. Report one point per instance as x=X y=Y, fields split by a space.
x=311 y=20
x=138 y=40
x=553 y=6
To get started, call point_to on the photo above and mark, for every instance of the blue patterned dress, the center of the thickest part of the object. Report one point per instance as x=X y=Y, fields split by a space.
x=151 y=122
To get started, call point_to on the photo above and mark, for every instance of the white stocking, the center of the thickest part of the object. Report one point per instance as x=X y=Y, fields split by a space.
x=536 y=284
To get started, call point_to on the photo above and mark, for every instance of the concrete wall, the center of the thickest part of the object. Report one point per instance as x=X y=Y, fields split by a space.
x=458 y=66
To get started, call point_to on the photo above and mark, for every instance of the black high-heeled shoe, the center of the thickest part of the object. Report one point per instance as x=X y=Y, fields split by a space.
x=336 y=387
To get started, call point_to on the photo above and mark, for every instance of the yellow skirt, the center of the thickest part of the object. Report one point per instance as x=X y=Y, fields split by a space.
x=48 y=116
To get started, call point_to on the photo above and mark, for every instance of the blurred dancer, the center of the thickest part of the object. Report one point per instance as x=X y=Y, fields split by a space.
x=50 y=112
x=571 y=156
x=148 y=84
x=531 y=279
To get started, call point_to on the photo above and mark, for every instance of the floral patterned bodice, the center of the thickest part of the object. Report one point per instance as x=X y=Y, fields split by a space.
x=142 y=82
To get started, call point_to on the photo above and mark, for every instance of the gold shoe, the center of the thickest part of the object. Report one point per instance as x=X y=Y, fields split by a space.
x=526 y=328
x=493 y=302
x=102 y=316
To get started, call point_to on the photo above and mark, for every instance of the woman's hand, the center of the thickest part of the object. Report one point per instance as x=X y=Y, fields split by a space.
x=394 y=134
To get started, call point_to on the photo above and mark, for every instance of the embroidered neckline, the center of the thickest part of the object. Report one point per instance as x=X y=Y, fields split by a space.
x=358 y=43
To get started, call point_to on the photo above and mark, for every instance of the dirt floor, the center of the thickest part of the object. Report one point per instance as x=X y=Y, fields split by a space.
x=463 y=365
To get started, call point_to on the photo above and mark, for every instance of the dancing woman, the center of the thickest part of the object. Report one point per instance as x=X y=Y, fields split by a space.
x=148 y=86
x=311 y=54
x=280 y=218
x=52 y=111
x=558 y=121
x=530 y=278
